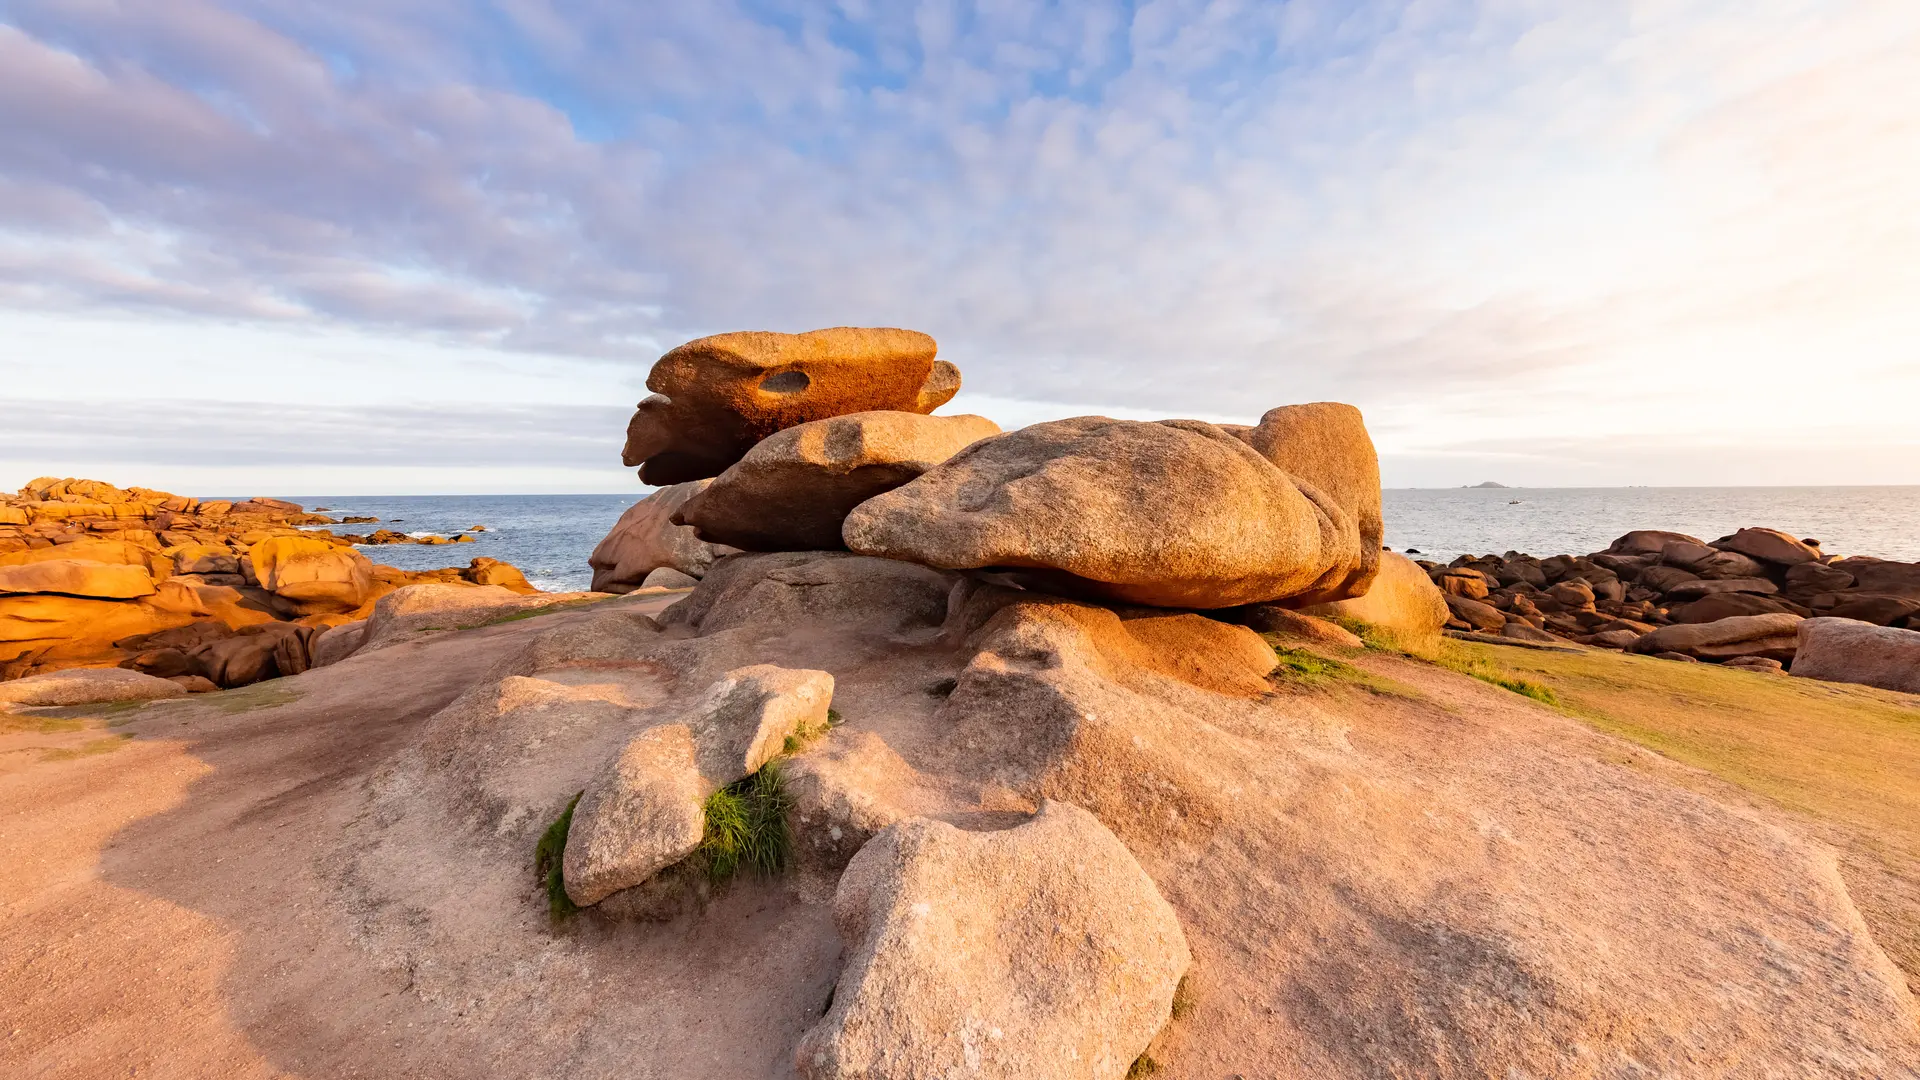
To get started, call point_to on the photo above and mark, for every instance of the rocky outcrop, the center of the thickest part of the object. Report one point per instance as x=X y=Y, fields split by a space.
x=716 y=397
x=1032 y=953
x=1845 y=650
x=1177 y=513
x=92 y=575
x=793 y=491
x=747 y=717
x=645 y=539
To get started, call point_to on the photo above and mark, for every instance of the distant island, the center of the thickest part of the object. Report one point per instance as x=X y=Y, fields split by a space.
x=1488 y=484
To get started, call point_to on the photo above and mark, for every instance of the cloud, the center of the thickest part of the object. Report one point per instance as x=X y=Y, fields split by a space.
x=1541 y=217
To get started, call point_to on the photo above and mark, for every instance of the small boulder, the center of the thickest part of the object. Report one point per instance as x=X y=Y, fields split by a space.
x=1037 y=952
x=1843 y=650
x=666 y=577
x=645 y=812
x=1467 y=583
x=1726 y=605
x=1773 y=635
x=485 y=571
x=1769 y=546
x=793 y=491
x=1648 y=542
x=1476 y=614
x=645 y=539
x=1401 y=598
x=1176 y=513
x=314 y=574
x=1878 y=610
x=87 y=686
x=1762 y=664
x=1610 y=639
x=716 y=397
x=336 y=644
x=746 y=717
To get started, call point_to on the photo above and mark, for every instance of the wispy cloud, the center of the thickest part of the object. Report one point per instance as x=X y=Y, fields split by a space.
x=1518 y=215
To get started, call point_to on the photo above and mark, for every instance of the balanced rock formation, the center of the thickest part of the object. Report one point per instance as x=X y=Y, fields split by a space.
x=793 y=491
x=1845 y=650
x=1041 y=952
x=714 y=398
x=1176 y=513
x=645 y=539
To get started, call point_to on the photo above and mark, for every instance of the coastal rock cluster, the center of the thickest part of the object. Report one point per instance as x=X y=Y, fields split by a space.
x=206 y=593
x=1739 y=599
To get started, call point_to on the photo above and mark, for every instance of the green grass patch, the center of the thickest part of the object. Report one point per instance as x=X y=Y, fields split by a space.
x=747 y=826
x=1144 y=1065
x=39 y=725
x=807 y=736
x=1441 y=652
x=1306 y=669
x=530 y=613
x=547 y=857
x=90 y=748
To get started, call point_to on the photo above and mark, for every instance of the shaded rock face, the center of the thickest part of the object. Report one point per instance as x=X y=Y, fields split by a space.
x=1325 y=444
x=646 y=539
x=793 y=490
x=1845 y=650
x=1171 y=514
x=795 y=589
x=1037 y=952
x=1401 y=598
x=714 y=398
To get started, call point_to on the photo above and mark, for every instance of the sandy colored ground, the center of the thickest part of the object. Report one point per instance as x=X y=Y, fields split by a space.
x=167 y=915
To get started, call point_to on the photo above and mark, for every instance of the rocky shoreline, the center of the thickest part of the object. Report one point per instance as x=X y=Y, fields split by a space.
x=208 y=593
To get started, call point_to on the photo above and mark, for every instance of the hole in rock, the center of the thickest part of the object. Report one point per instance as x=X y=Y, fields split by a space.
x=785 y=382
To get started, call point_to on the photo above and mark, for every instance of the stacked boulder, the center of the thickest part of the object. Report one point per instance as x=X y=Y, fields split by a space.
x=821 y=441
x=1738 y=599
x=210 y=593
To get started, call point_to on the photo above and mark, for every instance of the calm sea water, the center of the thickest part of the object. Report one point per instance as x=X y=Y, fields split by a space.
x=549 y=536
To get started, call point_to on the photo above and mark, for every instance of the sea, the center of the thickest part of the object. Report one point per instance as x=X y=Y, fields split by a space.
x=549 y=536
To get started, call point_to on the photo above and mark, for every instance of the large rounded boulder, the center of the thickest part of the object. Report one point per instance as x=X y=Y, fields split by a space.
x=1325 y=444
x=715 y=397
x=1175 y=513
x=794 y=490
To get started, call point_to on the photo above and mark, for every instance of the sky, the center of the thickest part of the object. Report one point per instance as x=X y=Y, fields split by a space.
x=421 y=246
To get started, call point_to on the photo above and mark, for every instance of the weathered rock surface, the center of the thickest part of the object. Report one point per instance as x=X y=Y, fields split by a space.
x=1775 y=636
x=1171 y=514
x=714 y=398
x=645 y=539
x=337 y=643
x=1769 y=546
x=1286 y=622
x=668 y=578
x=793 y=490
x=1037 y=952
x=316 y=575
x=87 y=686
x=1401 y=598
x=1843 y=650
x=882 y=597
x=1325 y=444
x=639 y=817
x=747 y=716
x=77 y=577
x=411 y=610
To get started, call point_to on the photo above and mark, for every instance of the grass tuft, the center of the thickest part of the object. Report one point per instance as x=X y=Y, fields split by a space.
x=747 y=826
x=1183 y=997
x=1447 y=654
x=547 y=856
x=1144 y=1065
